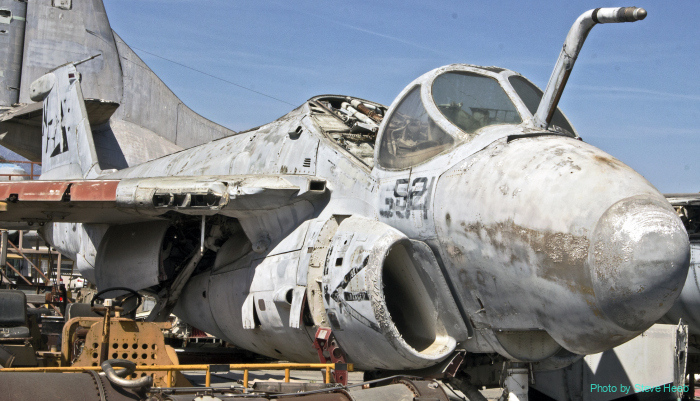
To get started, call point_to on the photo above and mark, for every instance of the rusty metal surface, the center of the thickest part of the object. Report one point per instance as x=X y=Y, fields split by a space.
x=236 y=196
x=329 y=351
x=139 y=342
x=19 y=386
x=33 y=190
x=103 y=191
x=38 y=202
x=425 y=389
x=394 y=391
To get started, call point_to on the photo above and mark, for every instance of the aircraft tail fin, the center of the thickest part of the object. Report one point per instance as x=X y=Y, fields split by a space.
x=134 y=116
x=68 y=148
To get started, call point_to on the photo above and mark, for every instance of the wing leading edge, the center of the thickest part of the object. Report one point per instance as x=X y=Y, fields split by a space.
x=144 y=199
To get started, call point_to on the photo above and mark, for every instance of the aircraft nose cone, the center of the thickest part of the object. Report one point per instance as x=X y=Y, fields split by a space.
x=638 y=260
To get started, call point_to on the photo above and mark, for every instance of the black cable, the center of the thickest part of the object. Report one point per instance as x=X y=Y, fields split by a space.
x=213 y=76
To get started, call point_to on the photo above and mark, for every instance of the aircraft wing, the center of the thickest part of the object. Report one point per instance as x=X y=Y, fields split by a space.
x=142 y=199
x=687 y=207
x=689 y=199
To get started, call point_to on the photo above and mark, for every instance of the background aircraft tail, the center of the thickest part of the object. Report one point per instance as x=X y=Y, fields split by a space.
x=133 y=115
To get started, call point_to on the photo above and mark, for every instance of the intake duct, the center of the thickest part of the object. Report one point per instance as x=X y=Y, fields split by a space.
x=389 y=292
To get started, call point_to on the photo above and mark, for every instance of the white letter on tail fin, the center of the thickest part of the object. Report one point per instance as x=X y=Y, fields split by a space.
x=68 y=150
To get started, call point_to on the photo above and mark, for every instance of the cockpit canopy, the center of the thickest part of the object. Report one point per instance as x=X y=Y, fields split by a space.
x=410 y=135
x=451 y=105
x=472 y=101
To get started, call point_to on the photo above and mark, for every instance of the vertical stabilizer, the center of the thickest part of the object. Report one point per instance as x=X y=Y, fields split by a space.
x=68 y=149
x=12 y=20
x=134 y=116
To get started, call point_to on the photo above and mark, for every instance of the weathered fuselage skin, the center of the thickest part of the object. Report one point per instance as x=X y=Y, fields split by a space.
x=593 y=251
x=574 y=231
x=515 y=239
x=524 y=241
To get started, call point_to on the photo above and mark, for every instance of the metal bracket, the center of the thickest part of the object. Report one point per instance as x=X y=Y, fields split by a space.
x=329 y=352
x=455 y=362
x=62 y=4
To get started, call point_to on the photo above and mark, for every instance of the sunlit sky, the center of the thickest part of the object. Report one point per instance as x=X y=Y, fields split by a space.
x=634 y=91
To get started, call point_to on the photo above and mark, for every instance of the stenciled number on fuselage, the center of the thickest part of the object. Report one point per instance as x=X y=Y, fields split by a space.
x=408 y=198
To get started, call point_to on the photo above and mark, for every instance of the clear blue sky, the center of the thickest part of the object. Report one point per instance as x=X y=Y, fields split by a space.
x=634 y=92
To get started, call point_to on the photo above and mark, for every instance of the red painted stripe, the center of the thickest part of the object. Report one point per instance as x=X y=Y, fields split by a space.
x=33 y=190
x=81 y=191
x=94 y=191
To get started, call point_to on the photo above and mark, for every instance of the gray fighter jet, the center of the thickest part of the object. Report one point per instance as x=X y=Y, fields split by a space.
x=468 y=218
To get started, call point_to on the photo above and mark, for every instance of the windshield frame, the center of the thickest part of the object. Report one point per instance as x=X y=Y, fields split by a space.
x=480 y=100
x=426 y=85
x=506 y=80
x=488 y=72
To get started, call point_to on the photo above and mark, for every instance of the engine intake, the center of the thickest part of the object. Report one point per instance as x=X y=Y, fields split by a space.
x=383 y=288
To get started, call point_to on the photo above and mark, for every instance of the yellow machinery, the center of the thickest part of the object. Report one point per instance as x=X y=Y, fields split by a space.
x=89 y=341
